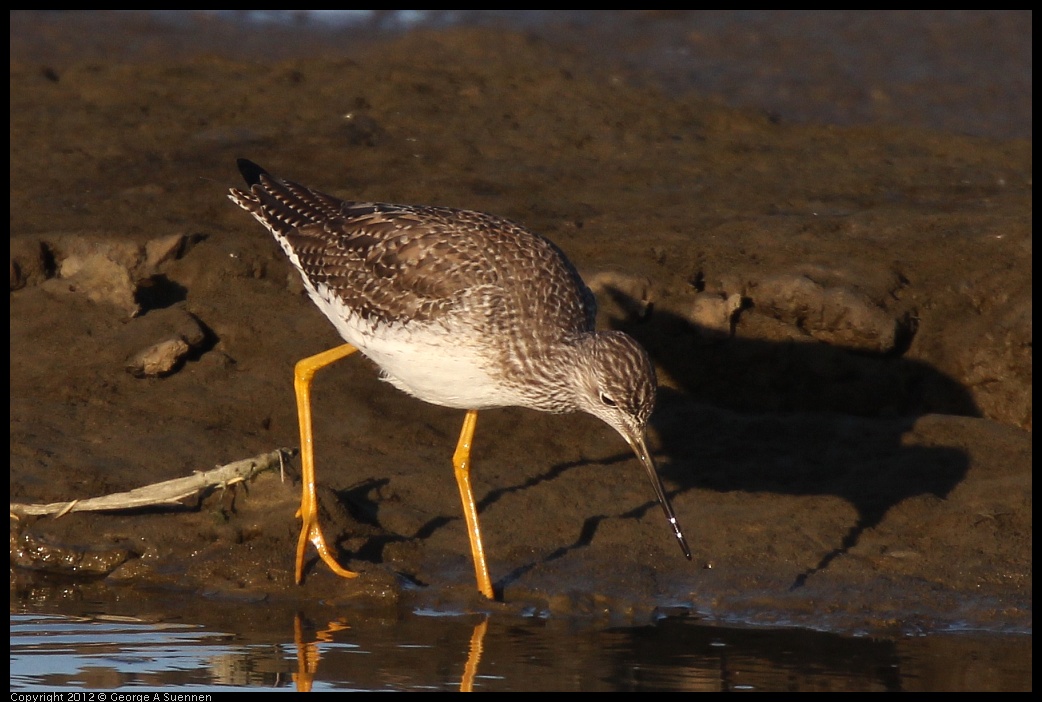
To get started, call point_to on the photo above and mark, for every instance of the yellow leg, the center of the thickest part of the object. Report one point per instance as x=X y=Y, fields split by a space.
x=310 y=531
x=461 y=462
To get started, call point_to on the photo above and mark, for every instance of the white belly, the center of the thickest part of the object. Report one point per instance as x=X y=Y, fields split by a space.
x=425 y=361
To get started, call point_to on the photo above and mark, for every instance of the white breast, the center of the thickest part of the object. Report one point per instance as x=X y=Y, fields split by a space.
x=427 y=361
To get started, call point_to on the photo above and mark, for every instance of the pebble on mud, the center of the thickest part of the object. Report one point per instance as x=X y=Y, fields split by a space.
x=159 y=359
x=101 y=279
x=185 y=333
x=107 y=271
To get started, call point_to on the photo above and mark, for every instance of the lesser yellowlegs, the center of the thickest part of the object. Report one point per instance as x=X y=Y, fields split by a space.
x=458 y=308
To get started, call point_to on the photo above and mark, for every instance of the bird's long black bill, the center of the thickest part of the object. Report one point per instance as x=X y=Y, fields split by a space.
x=640 y=448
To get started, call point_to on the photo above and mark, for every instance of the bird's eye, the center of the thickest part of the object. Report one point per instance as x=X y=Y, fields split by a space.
x=607 y=400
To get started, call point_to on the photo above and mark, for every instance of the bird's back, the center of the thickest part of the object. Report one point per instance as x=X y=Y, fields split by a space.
x=376 y=269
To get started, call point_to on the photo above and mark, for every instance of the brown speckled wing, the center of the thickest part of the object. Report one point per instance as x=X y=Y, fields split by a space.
x=395 y=262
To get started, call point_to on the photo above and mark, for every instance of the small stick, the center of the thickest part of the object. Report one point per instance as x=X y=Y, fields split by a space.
x=169 y=492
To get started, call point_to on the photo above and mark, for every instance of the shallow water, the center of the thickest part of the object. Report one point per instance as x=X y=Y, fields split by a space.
x=431 y=651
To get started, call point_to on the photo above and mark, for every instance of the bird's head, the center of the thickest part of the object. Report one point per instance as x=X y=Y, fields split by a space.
x=615 y=381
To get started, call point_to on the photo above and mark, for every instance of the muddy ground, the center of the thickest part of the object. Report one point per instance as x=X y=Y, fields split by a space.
x=840 y=319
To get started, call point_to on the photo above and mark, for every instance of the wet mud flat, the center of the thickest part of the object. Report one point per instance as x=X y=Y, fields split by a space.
x=840 y=319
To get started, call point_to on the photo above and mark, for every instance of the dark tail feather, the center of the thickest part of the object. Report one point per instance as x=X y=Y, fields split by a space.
x=250 y=171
